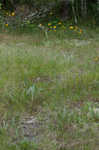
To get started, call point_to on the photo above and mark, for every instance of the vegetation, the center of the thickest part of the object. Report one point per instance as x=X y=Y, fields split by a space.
x=49 y=81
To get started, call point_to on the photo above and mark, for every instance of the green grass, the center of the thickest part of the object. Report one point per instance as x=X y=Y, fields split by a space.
x=54 y=80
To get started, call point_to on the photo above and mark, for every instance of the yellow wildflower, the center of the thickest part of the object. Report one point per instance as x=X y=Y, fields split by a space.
x=6 y=24
x=54 y=27
x=59 y=23
x=40 y=25
x=71 y=27
x=13 y=14
x=49 y=24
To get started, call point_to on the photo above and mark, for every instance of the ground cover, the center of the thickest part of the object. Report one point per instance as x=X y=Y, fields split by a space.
x=49 y=90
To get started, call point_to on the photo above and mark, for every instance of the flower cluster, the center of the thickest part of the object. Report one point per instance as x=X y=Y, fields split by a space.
x=54 y=26
x=8 y=14
x=12 y=20
x=76 y=29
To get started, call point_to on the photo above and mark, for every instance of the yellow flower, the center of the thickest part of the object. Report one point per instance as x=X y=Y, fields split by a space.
x=71 y=27
x=12 y=14
x=40 y=25
x=54 y=27
x=49 y=24
x=59 y=23
x=6 y=24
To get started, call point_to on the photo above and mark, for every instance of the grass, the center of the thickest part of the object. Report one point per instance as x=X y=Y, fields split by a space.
x=54 y=80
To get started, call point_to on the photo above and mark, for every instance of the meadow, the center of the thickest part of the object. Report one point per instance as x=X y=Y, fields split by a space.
x=49 y=89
